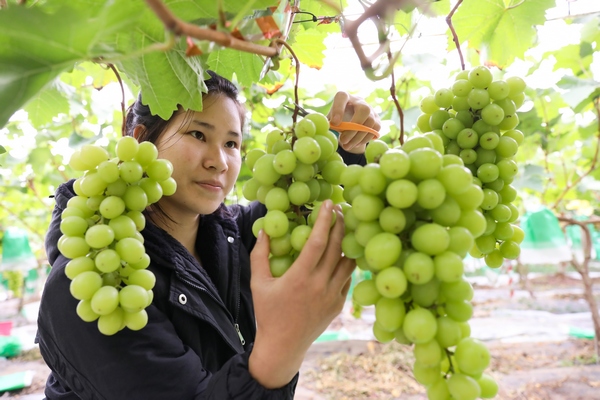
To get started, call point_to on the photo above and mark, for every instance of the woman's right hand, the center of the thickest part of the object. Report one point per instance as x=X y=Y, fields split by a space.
x=294 y=309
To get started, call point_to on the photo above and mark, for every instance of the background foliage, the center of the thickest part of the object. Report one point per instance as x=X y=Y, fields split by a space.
x=58 y=93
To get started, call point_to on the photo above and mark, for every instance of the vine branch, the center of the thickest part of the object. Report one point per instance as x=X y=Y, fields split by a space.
x=376 y=10
x=592 y=167
x=181 y=28
x=297 y=62
x=454 y=35
x=397 y=103
x=123 y=123
x=22 y=221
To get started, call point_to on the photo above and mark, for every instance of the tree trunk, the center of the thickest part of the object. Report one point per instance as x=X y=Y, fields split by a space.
x=584 y=270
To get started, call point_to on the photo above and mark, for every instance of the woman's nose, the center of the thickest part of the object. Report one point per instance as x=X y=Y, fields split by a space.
x=216 y=159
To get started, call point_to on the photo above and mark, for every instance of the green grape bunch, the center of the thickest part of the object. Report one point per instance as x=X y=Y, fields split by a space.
x=101 y=228
x=415 y=212
x=298 y=170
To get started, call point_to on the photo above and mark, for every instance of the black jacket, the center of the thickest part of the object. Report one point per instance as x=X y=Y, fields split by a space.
x=200 y=329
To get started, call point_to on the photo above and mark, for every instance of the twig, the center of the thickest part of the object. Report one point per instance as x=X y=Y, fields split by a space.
x=395 y=99
x=296 y=98
x=181 y=28
x=22 y=221
x=376 y=10
x=592 y=166
x=454 y=35
x=123 y=116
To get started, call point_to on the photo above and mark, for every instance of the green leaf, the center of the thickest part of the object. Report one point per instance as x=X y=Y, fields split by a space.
x=51 y=44
x=572 y=57
x=206 y=12
x=166 y=79
x=502 y=32
x=533 y=178
x=578 y=92
x=309 y=47
x=224 y=63
x=45 y=105
x=38 y=159
x=2 y=149
x=76 y=141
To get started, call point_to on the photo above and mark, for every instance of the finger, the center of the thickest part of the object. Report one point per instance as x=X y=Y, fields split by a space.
x=259 y=258
x=362 y=112
x=346 y=137
x=318 y=240
x=333 y=252
x=338 y=108
x=359 y=138
x=348 y=283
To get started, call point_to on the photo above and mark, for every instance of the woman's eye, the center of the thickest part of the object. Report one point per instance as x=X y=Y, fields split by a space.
x=197 y=134
x=231 y=145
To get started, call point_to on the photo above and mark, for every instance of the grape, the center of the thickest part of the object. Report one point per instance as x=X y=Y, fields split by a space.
x=127 y=148
x=389 y=313
x=391 y=282
x=105 y=300
x=85 y=312
x=463 y=387
x=401 y=193
x=419 y=268
x=111 y=323
x=307 y=150
x=85 y=284
x=419 y=325
x=472 y=356
x=480 y=77
x=431 y=239
x=133 y=298
x=365 y=292
x=383 y=250
x=488 y=385
x=304 y=127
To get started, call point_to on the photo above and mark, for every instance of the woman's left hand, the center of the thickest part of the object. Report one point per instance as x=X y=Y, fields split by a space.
x=347 y=107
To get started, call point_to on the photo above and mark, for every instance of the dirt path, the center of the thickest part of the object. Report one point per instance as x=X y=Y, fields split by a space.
x=529 y=364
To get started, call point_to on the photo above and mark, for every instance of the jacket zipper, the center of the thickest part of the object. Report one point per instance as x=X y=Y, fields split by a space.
x=219 y=301
x=237 y=311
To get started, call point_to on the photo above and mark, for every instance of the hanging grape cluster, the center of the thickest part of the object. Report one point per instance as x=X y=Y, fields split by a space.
x=101 y=232
x=418 y=209
x=299 y=169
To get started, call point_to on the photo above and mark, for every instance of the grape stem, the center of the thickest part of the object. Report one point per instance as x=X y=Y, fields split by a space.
x=297 y=62
x=454 y=35
x=449 y=354
x=396 y=103
x=123 y=114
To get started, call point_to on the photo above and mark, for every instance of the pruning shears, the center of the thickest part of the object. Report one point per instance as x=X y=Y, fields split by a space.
x=342 y=126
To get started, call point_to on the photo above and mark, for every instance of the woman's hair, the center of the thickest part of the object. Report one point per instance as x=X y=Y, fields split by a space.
x=138 y=114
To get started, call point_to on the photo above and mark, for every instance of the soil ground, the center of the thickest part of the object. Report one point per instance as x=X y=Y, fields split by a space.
x=537 y=367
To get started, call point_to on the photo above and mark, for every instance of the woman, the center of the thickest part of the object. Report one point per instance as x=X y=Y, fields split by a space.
x=220 y=326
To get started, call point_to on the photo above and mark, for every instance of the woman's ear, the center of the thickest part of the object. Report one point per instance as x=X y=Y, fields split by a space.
x=138 y=131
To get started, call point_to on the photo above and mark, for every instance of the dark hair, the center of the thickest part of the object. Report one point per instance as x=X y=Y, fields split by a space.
x=139 y=114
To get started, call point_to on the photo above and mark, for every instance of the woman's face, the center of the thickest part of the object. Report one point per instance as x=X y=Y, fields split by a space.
x=204 y=148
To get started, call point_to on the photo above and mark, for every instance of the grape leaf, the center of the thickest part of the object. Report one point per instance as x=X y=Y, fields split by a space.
x=502 y=32
x=224 y=63
x=570 y=57
x=166 y=78
x=45 y=105
x=578 y=92
x=309 y=47
x=38 y=159
x=2 y=149
x=52 y=44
